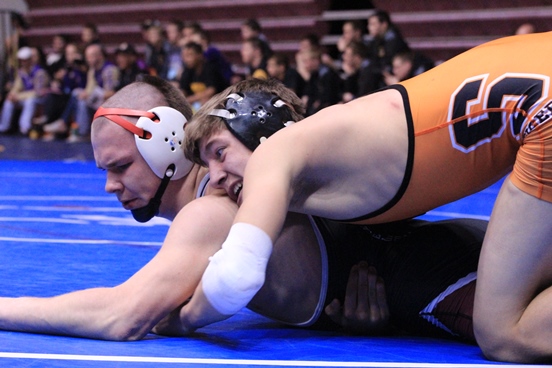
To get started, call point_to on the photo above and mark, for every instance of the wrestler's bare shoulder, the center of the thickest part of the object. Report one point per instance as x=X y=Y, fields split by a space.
x=373 y=119
x=209 y=205
x=338 y=150
x=205 y=218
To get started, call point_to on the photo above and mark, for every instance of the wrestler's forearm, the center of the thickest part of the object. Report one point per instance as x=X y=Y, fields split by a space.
x=197 y=313
x=91 y=313
x=265 y=198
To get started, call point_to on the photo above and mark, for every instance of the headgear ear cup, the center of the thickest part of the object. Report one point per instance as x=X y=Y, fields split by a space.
x=165 y=145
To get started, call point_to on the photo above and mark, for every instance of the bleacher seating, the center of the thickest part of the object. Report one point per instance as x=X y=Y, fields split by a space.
x=283 y=21
x=443 y=29
x=440 y=29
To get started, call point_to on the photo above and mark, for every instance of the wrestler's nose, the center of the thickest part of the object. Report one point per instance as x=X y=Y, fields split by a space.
x=112 y=183
x=218 y=175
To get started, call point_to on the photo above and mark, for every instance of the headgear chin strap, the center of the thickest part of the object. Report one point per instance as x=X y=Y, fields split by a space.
x=254 y=117
x=146 y=213
x=159 y=135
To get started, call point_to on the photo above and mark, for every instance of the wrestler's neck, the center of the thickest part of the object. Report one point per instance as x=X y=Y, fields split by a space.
x=181 y=192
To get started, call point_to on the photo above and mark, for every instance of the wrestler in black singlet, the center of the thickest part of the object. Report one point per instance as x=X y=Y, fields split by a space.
x=418 y=261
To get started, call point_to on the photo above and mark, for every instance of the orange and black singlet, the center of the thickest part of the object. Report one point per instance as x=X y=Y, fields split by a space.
x=473 y=119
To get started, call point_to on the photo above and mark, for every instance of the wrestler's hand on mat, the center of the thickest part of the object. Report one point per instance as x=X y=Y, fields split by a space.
x=173 y=325
x=365 y=308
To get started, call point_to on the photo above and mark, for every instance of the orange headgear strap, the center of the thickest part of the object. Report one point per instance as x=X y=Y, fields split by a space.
x=114 y=114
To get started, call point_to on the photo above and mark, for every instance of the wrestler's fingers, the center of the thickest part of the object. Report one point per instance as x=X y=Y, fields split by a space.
x=373 y=296
x=382 y=300
x=333 y=310
x=350 y=302
x=365 y=276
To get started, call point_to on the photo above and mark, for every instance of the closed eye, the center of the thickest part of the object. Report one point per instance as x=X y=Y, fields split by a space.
x=122 y=168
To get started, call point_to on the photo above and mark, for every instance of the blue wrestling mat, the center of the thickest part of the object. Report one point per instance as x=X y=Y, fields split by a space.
x=59 y=231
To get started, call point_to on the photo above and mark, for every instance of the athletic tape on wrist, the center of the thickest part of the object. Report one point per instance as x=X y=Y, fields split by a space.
x=237 y=271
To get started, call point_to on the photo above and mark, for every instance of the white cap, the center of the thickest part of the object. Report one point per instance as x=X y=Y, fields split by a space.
x=24 y=53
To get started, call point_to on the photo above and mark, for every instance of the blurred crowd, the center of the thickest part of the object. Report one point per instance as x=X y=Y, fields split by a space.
x=53 y=95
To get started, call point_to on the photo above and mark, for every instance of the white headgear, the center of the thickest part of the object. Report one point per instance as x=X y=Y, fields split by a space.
x=159 y=135
x=164 y=147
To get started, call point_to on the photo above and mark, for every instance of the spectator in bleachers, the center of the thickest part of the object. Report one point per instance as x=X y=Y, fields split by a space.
x=101 y=82
x=213 y=54
x=89 y=35
x=173 y=60
x=355 y=56
x=309 y=41
x=201 y=79
x=385 y=39
x=15 y=41
x=370 y=77
x=156 y=55
x=38 y=57
x=352 y=30
x=251 y=28
x=407 y=64
x=127 y=63
x=145 y=25
x=29 y=88
x=278 y=67
x=253 y=57
x=66 y=79
x=323 y=85
x=189 y=30
x=55 y=58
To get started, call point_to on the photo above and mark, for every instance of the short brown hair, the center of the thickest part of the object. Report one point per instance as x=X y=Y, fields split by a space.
x=204 y=125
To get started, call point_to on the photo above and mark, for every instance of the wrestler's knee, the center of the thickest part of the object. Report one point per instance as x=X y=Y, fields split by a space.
x=492 y=344
x=504 y=344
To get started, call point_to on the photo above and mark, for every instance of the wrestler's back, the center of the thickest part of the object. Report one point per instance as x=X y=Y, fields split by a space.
x=455 y=156
x=388 y=156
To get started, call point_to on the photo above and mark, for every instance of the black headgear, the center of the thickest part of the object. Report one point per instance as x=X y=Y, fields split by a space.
x=254 y=116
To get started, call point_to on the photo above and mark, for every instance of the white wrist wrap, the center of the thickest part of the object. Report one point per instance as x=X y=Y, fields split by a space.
x=237 y=271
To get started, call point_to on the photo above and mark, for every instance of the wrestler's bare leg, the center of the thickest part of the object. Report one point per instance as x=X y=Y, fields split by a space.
x=513 y=302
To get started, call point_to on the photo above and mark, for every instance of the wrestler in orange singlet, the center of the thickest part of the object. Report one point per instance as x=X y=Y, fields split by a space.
x=404 y=150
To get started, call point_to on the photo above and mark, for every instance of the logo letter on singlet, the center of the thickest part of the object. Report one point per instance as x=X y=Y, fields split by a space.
x=493 y=107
